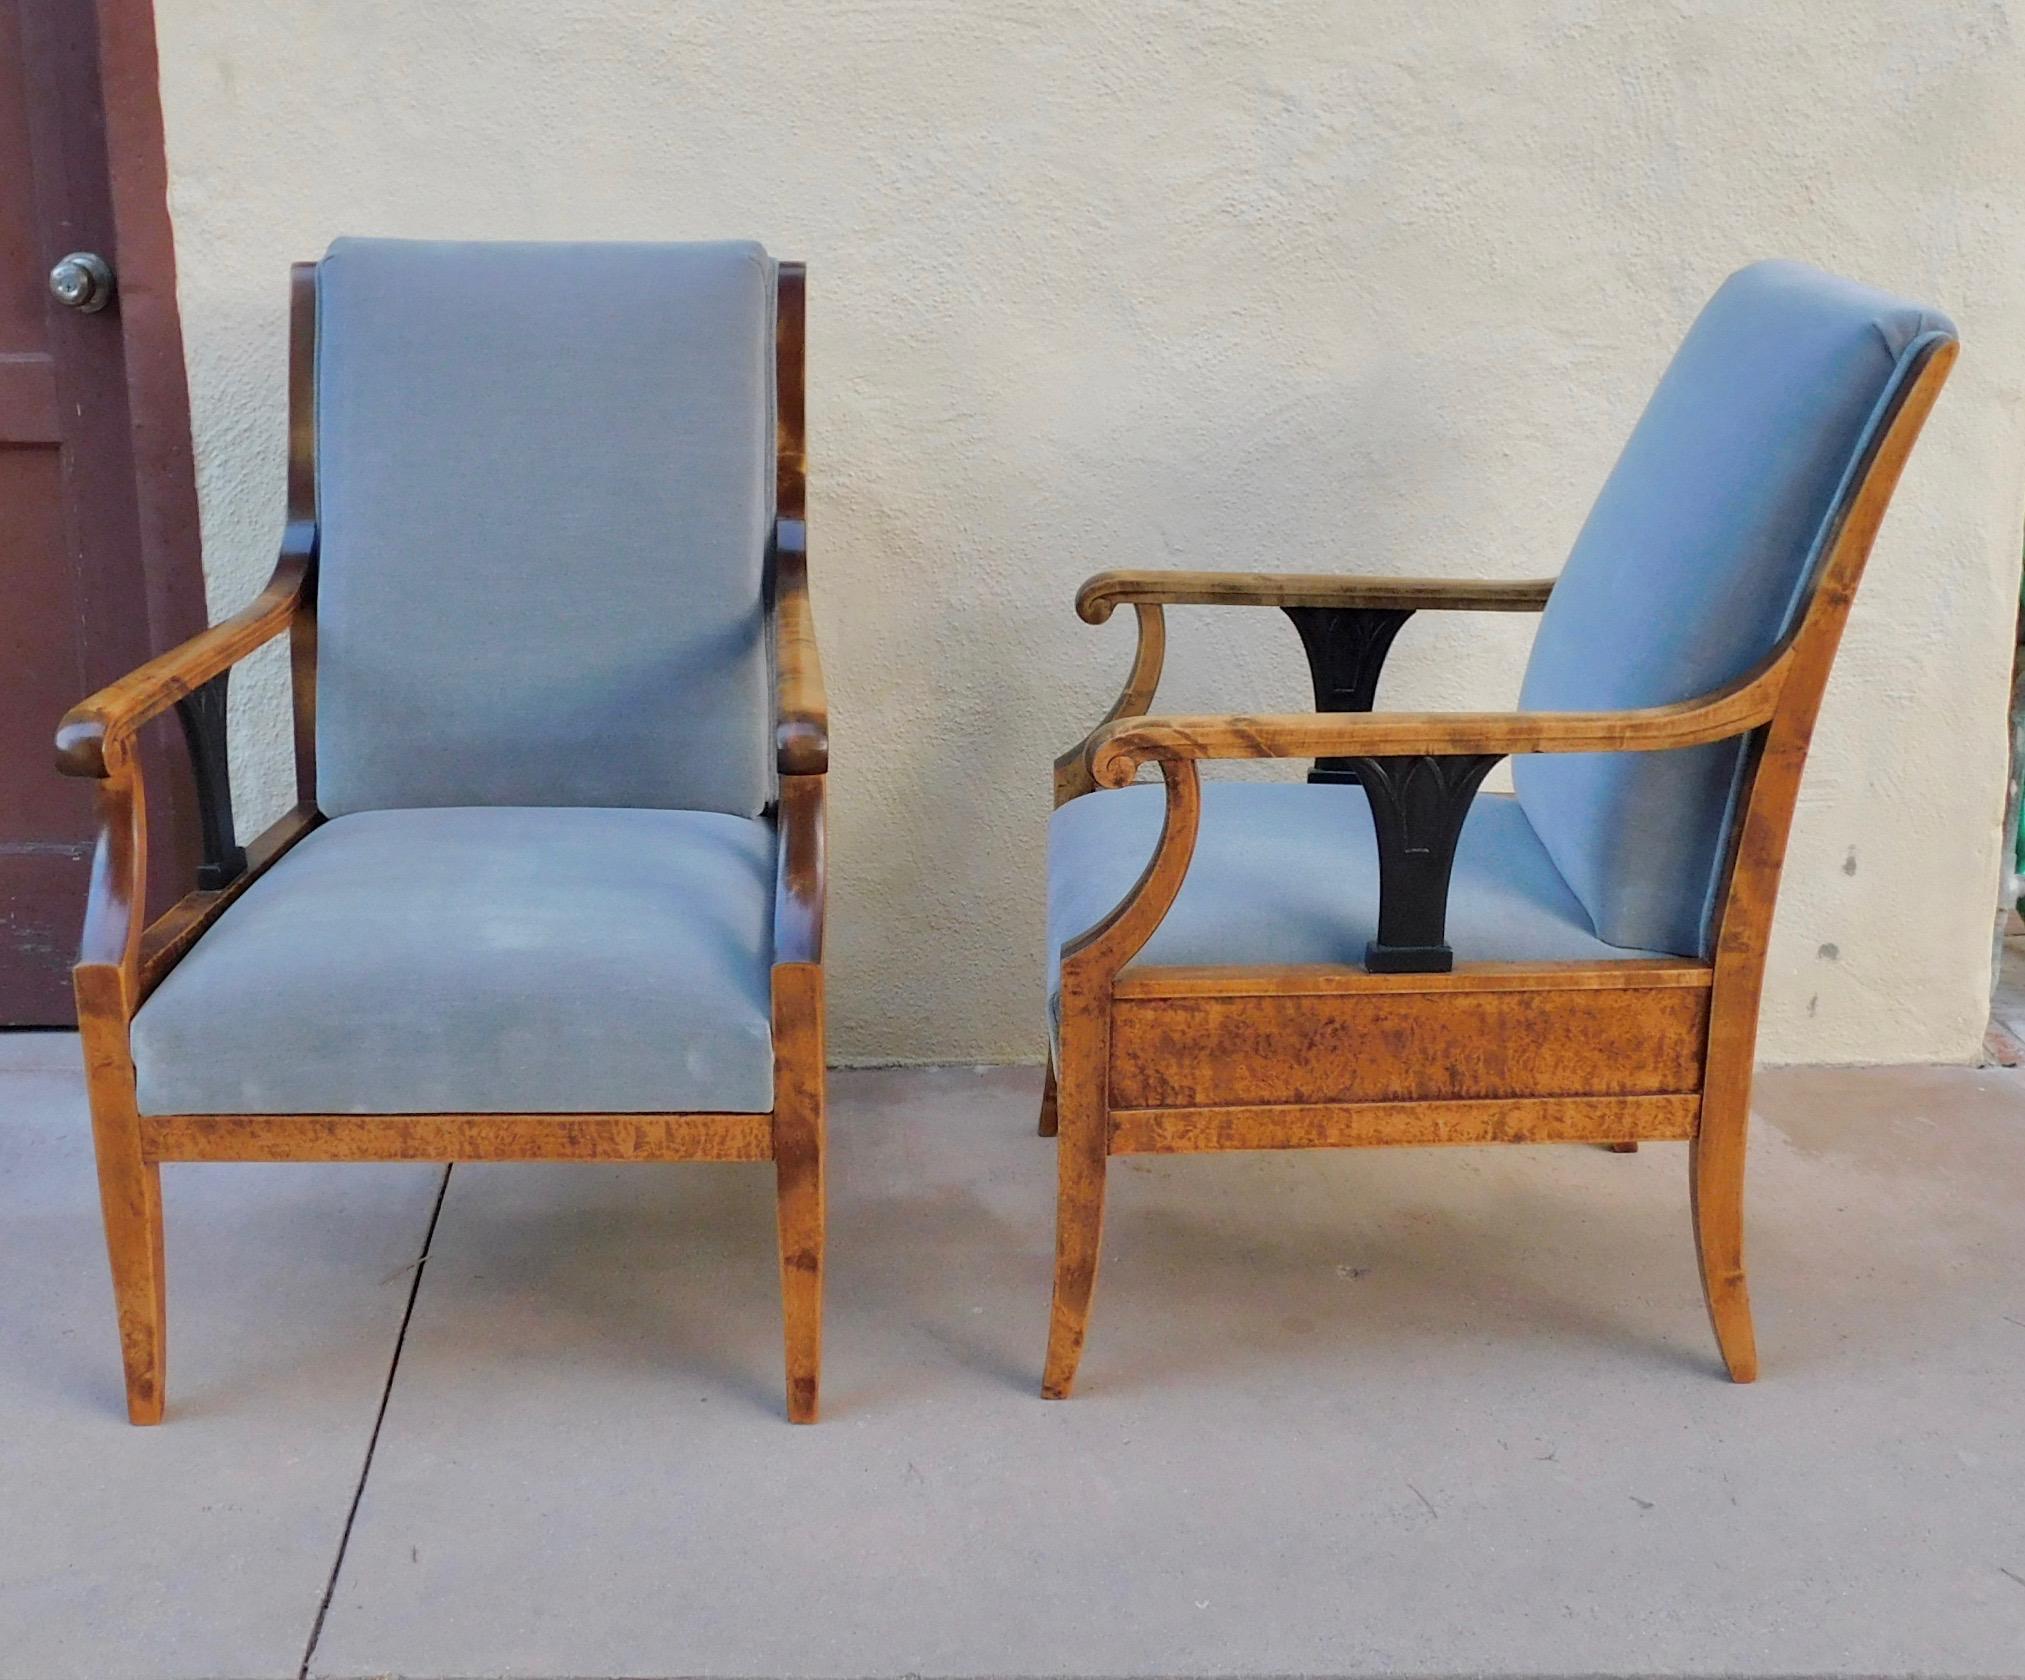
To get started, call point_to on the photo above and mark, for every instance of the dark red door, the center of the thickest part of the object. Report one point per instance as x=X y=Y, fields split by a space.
x=98 y=538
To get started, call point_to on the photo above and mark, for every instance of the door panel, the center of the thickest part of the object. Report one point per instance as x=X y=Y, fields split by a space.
x=80 y=604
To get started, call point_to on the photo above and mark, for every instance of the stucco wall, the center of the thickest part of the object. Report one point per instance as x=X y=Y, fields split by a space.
x=1337 y=286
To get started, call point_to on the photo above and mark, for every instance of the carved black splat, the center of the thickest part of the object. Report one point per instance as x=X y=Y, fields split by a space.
x=202 y=714
x=1346 y=648
x=1418 y=803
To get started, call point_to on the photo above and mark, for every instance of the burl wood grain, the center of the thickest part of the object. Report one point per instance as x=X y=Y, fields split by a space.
x=1396 y=1046
x=458 y=1137
x=1177 y=1131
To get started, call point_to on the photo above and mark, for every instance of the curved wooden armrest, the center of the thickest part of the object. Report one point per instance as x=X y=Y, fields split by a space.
x=1346 y=625
x=96 y=734
x=1108 y=590
x=1117 y=750
x=1420 y=772
x=1072 y=768
x=802 y=704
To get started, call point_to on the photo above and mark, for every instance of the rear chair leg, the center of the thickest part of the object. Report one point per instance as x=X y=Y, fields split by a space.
x=1079 y=1227
x=1716 y=1193
x=798 y=1127
x=1050 y=1125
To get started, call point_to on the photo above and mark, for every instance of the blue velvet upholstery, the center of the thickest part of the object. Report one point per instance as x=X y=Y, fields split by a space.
x=1689 y=571
x=545 y=488
x=486 y=959
x=1288 y=873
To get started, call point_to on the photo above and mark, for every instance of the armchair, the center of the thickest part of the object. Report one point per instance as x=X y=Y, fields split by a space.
x=1270 y=966
x=548 y=891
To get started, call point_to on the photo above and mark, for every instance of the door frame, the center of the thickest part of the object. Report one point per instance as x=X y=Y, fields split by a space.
x=151 y=325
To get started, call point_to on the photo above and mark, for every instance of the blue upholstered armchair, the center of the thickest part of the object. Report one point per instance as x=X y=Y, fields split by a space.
x=1387 y=955
x=553 y=885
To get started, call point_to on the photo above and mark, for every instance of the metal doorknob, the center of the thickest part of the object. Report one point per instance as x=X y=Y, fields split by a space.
x=82 y=281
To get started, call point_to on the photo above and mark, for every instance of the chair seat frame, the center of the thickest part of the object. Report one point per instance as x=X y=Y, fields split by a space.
x=123 y=957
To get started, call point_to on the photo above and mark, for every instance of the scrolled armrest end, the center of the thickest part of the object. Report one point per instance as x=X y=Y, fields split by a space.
x=1099 y=596
x=81 y=746
x=1117 y=750
x=802 y=747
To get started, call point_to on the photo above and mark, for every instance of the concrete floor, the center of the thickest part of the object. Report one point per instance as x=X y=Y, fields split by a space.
x=1408 y=1412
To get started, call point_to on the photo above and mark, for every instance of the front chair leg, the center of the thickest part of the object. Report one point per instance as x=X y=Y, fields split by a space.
x=129 y=1187
x=1079 y=1228
x=130 y=1192
x=1716 y=1193
x=798 y=1127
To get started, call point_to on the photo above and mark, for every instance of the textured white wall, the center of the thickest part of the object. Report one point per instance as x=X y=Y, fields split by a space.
x=1365 y=286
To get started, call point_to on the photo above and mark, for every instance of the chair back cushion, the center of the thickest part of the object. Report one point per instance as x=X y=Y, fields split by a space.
x=545 y=486
x=1694 y=563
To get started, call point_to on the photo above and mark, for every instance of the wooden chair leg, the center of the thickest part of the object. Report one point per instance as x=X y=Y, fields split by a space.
x=130 y=1193
x=798 y=1128
x=1628 y=1147
x=799 y=1175
x=1050 y=1125
x=1079 y=1229
x=1716 y=1193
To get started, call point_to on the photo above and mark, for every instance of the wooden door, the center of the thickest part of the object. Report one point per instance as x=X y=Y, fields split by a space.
x=99 y=561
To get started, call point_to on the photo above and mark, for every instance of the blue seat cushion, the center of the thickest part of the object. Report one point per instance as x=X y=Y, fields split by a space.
x=1691 y=567
x=1288 y=873
x=481 y=960
x=545 y=483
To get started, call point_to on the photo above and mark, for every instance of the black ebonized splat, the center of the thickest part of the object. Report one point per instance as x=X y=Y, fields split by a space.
x=202 y=714
x=1418 y=804
x=1346 y=648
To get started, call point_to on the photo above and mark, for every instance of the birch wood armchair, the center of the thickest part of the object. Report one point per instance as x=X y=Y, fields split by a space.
x=553 y=885
x=1387 y=955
